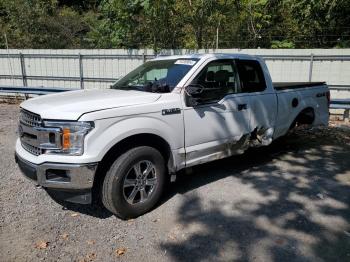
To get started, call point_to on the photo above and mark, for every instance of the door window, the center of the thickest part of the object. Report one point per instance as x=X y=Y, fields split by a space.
x=217 y=79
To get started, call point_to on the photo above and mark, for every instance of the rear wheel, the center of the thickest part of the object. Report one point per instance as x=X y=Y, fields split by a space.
x=305 y=118
x=134 y=183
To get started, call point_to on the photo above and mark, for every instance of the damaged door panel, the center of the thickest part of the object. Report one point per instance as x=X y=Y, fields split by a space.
x=238 y=107
x=222 y=117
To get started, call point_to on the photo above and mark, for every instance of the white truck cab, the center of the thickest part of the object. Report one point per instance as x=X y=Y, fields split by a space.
x=122 y=144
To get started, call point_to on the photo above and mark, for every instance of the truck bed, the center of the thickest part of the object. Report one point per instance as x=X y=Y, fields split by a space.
x=295 y=85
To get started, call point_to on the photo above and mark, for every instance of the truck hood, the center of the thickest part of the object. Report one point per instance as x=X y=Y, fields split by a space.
x=72 y=104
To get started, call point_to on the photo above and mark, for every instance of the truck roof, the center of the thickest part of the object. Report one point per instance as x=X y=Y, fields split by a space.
x=206 y=56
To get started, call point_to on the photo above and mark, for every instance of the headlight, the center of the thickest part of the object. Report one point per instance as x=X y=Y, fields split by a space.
x=72 y=136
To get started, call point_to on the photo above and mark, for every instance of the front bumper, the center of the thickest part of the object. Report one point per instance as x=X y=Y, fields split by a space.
x=71 y=182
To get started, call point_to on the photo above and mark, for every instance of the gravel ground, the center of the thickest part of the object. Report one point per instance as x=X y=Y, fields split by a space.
x=286 y=202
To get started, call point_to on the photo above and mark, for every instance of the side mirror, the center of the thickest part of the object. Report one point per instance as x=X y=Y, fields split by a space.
x=193 y=94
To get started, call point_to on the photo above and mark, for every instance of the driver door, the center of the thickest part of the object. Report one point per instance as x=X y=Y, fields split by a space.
x=217 y=125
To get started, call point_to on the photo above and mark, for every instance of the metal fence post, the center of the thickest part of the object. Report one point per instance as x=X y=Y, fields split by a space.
x=311 y=66
x=81 y=74
x=23 y=69
x=143 y=56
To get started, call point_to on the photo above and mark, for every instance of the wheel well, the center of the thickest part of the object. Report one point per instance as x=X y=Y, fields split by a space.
x=305 y=117
x=124 y=145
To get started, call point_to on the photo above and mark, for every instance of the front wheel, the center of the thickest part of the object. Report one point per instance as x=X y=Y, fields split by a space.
x=134 y=183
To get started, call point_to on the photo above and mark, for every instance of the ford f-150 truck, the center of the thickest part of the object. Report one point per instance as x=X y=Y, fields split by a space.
x=123 y=144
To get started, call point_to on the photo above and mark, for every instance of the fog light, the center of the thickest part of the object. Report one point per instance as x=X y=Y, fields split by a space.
x=57 y=175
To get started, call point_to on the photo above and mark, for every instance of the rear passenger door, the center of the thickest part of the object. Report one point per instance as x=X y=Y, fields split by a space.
x=263 y=100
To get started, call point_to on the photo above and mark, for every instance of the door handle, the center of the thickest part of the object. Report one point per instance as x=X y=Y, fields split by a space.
x=242 y=107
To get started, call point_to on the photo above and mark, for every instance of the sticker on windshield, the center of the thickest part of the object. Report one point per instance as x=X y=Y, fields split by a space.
x=185 y=62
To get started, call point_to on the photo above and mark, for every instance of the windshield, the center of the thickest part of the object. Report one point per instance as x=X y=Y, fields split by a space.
x=160 y=76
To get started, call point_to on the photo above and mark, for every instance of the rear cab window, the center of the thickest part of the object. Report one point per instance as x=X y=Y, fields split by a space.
x=251 y=76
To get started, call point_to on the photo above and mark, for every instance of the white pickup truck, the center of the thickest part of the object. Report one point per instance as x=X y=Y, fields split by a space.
x=123 y=144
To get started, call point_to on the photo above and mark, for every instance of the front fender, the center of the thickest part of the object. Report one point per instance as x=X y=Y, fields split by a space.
x=111 y=131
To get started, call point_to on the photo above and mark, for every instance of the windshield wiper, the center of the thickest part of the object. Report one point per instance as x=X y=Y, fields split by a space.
x=149 y=87
x=157 y=88
x=140 y=88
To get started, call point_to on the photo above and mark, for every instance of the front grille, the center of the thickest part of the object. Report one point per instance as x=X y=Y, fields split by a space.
x=31 y=149
x=31 y=121
x=29 y=118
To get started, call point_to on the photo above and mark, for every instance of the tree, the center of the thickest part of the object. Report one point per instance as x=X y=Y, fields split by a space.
x=321 y=23
x=162 y=24
x=42 y=24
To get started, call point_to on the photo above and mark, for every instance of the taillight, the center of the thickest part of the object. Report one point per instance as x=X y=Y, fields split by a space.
x=328 y=94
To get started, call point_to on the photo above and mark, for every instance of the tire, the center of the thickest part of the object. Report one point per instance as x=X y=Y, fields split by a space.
x=128 y=174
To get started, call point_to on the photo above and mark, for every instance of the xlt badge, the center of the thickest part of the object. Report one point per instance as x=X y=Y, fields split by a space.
x=171 y=111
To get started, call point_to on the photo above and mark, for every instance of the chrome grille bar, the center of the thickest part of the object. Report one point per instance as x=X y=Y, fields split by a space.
x=29 y=118
x=31 y=149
